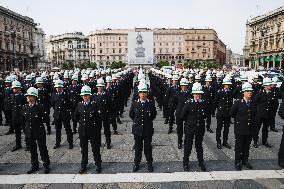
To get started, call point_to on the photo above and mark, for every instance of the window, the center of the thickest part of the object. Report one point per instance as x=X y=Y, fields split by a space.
x=101 y=51
x=113 y=50
x=119 y=50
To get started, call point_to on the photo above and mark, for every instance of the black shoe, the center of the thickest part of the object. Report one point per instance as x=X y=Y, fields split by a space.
x=186 y=167
x=48 y=132
x=108 y=146
x=27 y=149
x=9 y=132
x=179 y=145
x=281 y=164
x=226 y=145
x=166 y=122
x=210 y=130
x=170 y=131
x=83 y=169
x=202 y=166
x=150 y=167
x=135 y=167
x=75 y=131
x=219 y=146
x=274 y=130
x=119 y=122
x=247 y=164
x=71 y=146
x=32 y=170
x=115 y=132
x=46 y=170
x=56 y=146
x=255 y=145
x=267 y=145
x=16 y=148
x=99 y=169
x=238 y=166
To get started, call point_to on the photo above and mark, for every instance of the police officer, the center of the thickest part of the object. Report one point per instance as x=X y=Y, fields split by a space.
x=143 y=112
x=102 y=100
x=179 y=101
x=167 y=84
x=111 y=92
x=170 y=94
x=33 y=116
x=1 y=99
x=208 y=96
x=194 y=113
x=62 y=114
x=276 y=95
x=18 y=100
x=243 y=111
x=8 y=104
x=223 y=101
x=74 y=93
x=44 y=100
x=86 y=113
x=264 y=115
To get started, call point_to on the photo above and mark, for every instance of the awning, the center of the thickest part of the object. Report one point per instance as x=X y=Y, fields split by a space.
x=278 y=58
x=271 y=59
x=282 y=56
x=266 y=59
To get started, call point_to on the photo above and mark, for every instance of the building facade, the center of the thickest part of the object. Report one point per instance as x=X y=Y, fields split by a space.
x=172 y=45
x=264 y=43
x=39 y=51
x=69 y=48
x=17 y=43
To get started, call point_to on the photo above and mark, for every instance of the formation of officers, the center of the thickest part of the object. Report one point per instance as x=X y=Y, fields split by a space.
x=190 y=98
x=93 y=100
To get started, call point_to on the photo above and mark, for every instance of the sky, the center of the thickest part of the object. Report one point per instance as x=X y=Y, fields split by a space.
x=227 y=17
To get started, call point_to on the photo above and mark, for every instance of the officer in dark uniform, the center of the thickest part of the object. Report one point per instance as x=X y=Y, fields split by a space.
x=237 y=91
x=111 y=92
x=103 y=102
x=18 y=100
x=74 y=93
x=8 y=105
x=33 y=116
x=281 y=148
x=194 y=113
x=208 y=96
x=222 y=102
x=243 y=111
x=264 y=115
x=62 y=114
x=166 y=86
x=44 y=100
x=86 y=113
x=179 y=101
x=276 y=95
x=170 y=94
x=143 y=112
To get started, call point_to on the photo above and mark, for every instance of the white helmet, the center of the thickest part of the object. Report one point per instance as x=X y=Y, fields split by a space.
x=16 y=84
x=32 y=92
x=196 y=88
x=108 y=79
x=39 y=80
x=86 y=90
x=246 y=87
x=58 y=83
x=100 y=83
x=142 y=87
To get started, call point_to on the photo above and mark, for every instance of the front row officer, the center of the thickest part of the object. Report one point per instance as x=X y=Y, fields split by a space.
x=194 y=113
x=33 y=117
x=243 y=111
x=143 y=112
x=87 y=115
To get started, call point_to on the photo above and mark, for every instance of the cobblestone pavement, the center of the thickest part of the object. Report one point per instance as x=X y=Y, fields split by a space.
x=167 y=159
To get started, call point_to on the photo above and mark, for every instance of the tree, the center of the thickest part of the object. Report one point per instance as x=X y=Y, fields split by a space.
x=161 y=63
x=116 y=65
